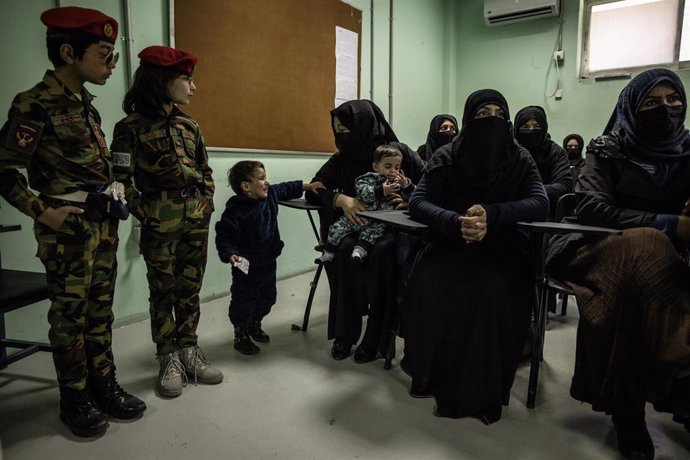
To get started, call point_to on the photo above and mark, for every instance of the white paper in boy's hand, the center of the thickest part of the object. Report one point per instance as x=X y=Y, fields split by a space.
x=243 y=265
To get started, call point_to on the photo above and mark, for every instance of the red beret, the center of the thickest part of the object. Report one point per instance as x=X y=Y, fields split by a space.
x=74 y=18
x=170 y=58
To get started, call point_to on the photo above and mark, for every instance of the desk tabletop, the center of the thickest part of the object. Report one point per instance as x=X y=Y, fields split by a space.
x=396 y=218
x=563 y=227
x=9 y=228
x=299 y=203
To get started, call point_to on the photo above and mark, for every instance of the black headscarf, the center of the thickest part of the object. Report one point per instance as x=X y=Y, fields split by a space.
x=625 y=117
x=578 y=138
x=484 y=151
x=536 y=141
x=574 y=154
x=368 y=129
x=435 y=139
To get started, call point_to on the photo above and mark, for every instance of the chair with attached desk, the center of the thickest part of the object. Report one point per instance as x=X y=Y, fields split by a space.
x=543 y=282
x=301 y=203
x=402 y=224
x=18 y=289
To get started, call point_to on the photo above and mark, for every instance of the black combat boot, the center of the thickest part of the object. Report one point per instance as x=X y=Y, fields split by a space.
x=258 y=334
x=243 y=343
x=80 y=412
x=113 y=400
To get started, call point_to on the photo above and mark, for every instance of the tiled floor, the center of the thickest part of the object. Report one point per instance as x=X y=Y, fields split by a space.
x=292 y=401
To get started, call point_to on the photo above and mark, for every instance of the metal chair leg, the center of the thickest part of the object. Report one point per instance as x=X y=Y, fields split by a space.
x=390 y=350
x=538 y=346
x=307 y=311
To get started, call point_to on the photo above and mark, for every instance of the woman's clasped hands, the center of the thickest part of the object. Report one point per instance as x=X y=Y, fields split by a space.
x=473 y=224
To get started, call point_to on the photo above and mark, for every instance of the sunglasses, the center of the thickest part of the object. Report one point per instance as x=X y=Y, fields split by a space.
x=110 y=58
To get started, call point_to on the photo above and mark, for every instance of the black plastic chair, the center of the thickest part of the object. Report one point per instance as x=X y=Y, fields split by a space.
x=565 y=209
x=301 y=203
x=19 y=289
x=545 y=283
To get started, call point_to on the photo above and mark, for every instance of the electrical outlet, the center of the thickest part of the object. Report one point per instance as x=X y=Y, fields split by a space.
x=558 y=94
x=558 y=55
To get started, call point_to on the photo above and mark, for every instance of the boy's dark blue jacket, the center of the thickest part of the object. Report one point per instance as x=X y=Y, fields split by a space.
x=249 y=227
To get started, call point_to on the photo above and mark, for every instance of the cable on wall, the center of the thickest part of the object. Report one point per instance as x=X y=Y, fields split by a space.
x=556 y=61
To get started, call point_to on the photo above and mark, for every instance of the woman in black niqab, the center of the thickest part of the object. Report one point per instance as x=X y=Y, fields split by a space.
x=550 y=157
x=633 y=289
x=467 y=305
x=359 y=127
x=439 y=135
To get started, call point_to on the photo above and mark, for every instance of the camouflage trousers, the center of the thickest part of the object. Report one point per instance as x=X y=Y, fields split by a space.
x=81 y=265
x=175 y=270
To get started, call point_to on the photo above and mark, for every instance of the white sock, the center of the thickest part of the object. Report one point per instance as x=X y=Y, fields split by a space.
x=359 y=253
x=327 y=256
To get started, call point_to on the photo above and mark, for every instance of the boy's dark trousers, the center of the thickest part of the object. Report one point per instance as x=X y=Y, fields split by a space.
x=252 y=295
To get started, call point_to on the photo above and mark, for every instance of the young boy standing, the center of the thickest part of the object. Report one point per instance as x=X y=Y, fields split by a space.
x=53 y=131
x=248 y=232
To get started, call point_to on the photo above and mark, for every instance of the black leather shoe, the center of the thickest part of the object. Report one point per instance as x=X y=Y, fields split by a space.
x=419 y=388
x=634 y=440
x=340 y=350
x=80 y=413
x=243 y=343
x=258 y=334
x=362 y=356
x=113 y=400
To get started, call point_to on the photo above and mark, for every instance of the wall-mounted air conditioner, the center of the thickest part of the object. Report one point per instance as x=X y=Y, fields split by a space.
x=499 y=12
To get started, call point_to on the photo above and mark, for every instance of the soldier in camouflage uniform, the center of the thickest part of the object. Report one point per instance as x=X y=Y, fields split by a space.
x=159 y=150
x=54 y=132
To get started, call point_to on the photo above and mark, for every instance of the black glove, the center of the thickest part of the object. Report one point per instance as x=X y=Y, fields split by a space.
x=107 y=205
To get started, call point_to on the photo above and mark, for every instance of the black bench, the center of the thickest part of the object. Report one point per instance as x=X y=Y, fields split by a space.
x=18 y=289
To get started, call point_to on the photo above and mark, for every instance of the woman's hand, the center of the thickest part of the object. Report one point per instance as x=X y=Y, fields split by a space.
x=234 y=259
x=54 y=217
x=397 y=201
x=473 y=224
x=351 y=206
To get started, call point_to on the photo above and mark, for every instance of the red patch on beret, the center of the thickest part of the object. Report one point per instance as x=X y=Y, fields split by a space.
x=74 y=18
x=170 y=58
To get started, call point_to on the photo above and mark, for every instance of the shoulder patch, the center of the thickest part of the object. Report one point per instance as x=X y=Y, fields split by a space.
x=23 y=135
x=123 y=159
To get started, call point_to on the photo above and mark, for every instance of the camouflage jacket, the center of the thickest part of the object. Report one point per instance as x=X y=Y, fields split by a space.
x=164 y=154
x=56 y=135
x=369 y=188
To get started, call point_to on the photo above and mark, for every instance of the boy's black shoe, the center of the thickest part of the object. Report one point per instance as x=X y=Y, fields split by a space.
x=243 y=343
x=80 y=412
x=258 y=334
x=634 y=440
x=113 y=400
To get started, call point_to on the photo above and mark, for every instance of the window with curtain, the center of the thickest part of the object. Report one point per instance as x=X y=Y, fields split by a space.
x=625 y=36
